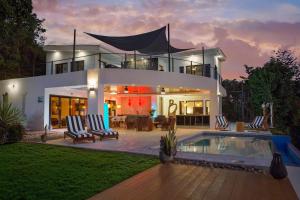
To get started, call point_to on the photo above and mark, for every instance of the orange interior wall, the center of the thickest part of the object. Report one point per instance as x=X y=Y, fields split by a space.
x=134 y=105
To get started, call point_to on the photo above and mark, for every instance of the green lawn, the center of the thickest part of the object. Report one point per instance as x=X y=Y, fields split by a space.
x=38 y=171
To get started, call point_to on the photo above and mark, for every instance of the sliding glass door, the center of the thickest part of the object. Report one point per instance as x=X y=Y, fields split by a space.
x=61 y=106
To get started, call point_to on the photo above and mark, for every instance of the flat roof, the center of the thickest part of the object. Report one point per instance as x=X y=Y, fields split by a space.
x=210 y=51
x=83 y=47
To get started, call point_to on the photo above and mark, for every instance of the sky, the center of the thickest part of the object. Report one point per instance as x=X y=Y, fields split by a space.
x=248 y=31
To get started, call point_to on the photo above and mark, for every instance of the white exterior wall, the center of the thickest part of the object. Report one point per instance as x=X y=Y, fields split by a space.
x=27 y=90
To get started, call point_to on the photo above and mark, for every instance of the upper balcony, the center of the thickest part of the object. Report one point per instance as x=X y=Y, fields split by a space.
x=195 y=62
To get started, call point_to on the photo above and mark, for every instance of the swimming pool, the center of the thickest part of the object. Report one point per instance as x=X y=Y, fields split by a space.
x=250 y=147
x=289 y=153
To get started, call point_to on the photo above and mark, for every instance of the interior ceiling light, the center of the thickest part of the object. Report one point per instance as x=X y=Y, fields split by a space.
x=162 y=91
x=126 y=90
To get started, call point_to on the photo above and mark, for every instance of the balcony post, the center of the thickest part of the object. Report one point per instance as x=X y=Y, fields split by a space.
x=74 y=46
x=100 y=60
x=172 y=64
x=52 y=67
x=150 y=63
x=134 y=59
x=125 y=60
x=203 y=63
x=169 y=61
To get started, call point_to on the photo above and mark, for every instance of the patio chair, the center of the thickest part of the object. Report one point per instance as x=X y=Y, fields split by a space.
x=221 y=122
x=76 y=130
x=257 y=123
x=97 y=127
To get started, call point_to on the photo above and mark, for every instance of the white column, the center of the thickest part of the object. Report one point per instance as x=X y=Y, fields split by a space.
x=214 y=108
x=100 y=98
x=95 y=92
x=220 y=98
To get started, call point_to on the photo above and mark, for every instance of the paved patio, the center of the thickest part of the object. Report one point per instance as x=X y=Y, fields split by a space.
x=129 y=141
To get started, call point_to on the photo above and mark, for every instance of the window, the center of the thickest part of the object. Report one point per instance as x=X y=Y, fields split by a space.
x=189 y=107
x=194 y=107
x=181 y=69
x=194 y=69
x=207 y=70
x=79 y=66
x=207 y=107
x=198 y=108
x=61 y=106
x=61 y=68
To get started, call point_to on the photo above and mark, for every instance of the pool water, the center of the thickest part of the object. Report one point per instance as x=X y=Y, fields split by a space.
x=228 y=145
x=289 y=156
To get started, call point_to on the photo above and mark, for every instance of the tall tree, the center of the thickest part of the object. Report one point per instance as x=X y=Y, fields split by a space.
x=236 y=104
x=21 y=38
x=276 y=82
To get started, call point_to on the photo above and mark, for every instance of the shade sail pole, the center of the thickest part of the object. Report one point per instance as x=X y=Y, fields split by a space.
x=169 y=60
x=74 y=44
x=203 y=68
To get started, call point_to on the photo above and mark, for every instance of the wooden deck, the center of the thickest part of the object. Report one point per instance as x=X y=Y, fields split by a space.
x=194 y=182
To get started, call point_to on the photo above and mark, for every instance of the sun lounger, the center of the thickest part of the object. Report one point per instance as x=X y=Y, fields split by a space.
x=221 y=122
x=97 y=127
x=76 y=130
x=257 y=123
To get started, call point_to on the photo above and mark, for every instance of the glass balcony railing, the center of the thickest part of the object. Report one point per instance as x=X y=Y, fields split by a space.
x=133 y=61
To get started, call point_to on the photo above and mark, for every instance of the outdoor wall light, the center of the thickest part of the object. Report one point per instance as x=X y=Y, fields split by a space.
x=12 y=87
x=126 y=90
x=119 y=106
x=92 y=90
x=162 y=91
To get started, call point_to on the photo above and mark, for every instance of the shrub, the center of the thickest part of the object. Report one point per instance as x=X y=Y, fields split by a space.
x=11 y=123
x=15 y=133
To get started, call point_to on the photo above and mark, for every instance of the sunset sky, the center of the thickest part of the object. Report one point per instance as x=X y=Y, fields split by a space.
x=246 y=30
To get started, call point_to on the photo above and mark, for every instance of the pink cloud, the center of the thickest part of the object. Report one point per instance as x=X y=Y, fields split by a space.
x=243 y=41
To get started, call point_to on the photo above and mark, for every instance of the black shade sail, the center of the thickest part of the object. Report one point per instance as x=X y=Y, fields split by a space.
x=153 y=42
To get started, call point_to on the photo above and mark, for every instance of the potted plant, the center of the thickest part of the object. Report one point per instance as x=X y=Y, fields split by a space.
x=168 y=144
x=44 y=136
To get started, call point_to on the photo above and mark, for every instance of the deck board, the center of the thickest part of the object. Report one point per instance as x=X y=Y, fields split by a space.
x=194 y=182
